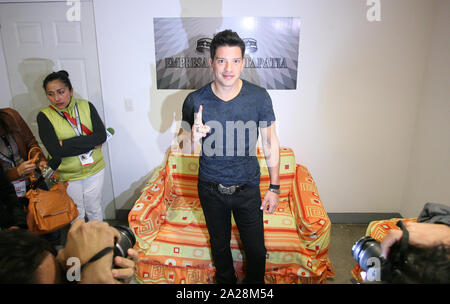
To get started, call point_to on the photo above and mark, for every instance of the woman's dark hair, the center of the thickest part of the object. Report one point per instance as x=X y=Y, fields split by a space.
x=226 y=38
x=21 y=253
x=60 y=75
x=3 y=123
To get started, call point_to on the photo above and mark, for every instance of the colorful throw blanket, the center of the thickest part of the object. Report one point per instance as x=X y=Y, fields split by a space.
x=173 y=241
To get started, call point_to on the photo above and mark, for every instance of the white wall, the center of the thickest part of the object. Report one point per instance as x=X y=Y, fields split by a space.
x=5 y=97
x=351 y=121
x=429 y=170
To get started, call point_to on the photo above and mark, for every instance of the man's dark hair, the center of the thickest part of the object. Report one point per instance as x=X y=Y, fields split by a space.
x=423 y=265
x=226 y=38
x=21 y=253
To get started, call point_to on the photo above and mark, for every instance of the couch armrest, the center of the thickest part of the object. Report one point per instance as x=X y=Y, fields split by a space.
x=149 y=211
x=312 y=220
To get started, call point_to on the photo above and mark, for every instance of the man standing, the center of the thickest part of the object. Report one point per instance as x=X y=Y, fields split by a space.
x=223 y=119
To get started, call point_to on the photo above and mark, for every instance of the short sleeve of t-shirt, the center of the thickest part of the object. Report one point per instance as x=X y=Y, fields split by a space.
x=188 y=112
x=266 y=113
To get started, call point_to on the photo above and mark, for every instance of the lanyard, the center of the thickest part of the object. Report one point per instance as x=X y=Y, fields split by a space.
x=76 y=124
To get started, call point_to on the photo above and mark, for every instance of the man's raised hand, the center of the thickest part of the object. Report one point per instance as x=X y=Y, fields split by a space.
x=199 y=130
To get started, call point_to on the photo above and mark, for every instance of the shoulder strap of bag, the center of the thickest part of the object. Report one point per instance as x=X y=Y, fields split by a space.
x=35 y=157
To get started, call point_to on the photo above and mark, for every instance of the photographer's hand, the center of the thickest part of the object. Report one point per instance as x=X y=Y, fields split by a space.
x=126 y=271
x=392 y=237
x=84 y=240
x=421 y=235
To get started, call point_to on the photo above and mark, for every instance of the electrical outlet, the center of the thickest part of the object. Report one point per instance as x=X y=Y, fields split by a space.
x=128 y=104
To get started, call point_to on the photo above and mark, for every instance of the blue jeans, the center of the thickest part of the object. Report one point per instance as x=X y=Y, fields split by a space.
x=245 y=206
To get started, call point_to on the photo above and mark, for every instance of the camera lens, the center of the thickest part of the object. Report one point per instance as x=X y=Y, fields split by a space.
x=364 y=249
x=127 y=241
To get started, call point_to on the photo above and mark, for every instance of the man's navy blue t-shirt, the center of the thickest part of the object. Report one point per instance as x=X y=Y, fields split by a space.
x=229 y=151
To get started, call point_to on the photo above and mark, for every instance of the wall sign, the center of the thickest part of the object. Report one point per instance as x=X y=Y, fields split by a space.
x=182 y=50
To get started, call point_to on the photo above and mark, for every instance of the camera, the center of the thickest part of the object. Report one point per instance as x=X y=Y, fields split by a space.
x=365 y=249
x=367 y=252
x=127 y=241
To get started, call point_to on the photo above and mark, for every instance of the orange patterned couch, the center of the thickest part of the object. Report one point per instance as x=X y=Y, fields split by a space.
x=378 y=230
x=173 y=242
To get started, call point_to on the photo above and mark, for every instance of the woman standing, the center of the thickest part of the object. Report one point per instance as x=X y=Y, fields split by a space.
x=72 y=132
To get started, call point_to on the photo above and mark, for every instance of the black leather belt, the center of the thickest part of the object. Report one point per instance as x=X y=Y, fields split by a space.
x=228 y=190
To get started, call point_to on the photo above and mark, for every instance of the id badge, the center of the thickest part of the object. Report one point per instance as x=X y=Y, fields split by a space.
x=20 y=186
x=86 y=159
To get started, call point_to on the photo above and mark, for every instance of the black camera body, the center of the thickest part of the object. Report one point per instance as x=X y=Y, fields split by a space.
x=127 y=241
x=367 y=252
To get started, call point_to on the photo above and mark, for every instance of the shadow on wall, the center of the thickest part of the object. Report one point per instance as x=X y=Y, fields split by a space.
x=123 y=138
x=165 y=111
x=33 y=72
x=164 y=114
x=133 y=193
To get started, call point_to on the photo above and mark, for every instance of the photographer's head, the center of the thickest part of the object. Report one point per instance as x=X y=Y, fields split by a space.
x=426 y=259
x=423 y=265
x=418 y=253
x=26 y=258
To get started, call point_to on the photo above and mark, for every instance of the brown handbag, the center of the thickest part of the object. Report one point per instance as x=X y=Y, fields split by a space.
x=50 y=210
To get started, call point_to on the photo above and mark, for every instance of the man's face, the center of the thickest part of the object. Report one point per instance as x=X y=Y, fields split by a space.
x=227 y=65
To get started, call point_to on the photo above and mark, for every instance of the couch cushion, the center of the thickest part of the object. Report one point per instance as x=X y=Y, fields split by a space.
x=183 y=241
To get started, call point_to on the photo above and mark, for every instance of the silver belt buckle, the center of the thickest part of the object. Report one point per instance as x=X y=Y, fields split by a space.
x=226 y=190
